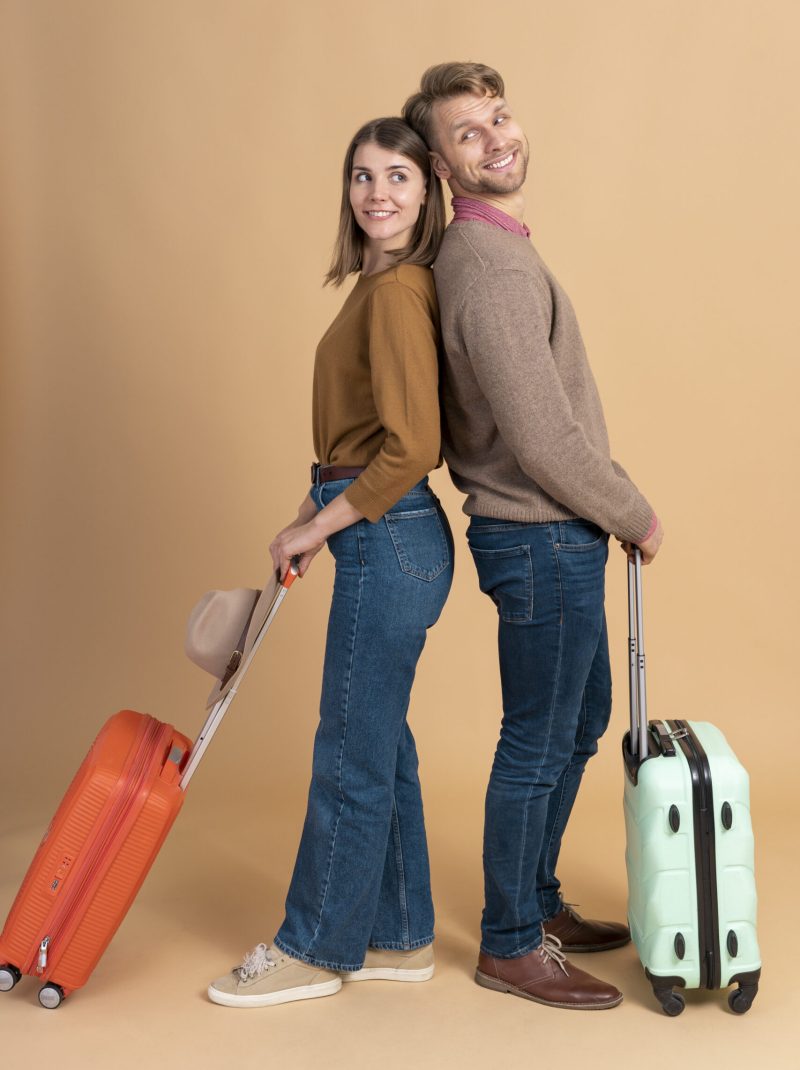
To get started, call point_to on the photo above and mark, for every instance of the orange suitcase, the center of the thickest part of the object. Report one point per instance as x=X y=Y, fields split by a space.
x=101 y=844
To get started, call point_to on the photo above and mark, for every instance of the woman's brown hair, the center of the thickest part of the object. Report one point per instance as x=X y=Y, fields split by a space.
x=397 y=135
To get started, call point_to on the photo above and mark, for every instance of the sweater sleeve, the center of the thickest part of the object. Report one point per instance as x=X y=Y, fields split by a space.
x=504 y=323
x=404 y=370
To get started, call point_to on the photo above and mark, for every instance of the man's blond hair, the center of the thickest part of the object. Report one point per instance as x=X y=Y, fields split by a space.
x=447 y=80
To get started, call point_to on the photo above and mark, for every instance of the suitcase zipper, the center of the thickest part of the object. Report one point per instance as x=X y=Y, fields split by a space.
x=705 y=852
x=104 y=844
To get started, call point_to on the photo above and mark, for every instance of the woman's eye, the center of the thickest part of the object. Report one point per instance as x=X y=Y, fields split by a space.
x=362 y=177
x=399 y=176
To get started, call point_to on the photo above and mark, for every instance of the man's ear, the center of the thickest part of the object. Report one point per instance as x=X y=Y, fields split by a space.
x=440 y=168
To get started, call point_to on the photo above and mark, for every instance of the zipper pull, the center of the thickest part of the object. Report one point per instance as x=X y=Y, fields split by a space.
x=42 y=965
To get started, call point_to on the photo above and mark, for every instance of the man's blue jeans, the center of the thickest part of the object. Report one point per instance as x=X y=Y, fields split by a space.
x=547 y=581
x=362 y=876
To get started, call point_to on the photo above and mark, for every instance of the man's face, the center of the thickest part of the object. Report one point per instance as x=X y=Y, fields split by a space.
x=477 y=145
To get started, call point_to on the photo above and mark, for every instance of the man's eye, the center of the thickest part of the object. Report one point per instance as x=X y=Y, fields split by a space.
x=500 y=119
x=469 y=135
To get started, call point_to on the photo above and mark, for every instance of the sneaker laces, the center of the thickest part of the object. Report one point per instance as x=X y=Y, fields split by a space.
x=550 y=948
x=256 y=962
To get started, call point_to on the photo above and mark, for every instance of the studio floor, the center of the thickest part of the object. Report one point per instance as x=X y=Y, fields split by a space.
x=208 y=897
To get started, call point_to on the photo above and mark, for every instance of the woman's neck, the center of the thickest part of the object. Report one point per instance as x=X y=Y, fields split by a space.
x=375 y=258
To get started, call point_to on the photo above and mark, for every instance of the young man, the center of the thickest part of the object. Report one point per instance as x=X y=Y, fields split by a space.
x=525 y=439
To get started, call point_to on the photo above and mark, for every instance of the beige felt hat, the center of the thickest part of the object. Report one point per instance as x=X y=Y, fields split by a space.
x=222 y=629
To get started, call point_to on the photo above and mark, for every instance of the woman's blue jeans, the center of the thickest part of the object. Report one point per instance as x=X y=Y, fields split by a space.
x=547 y=581
x=362 y=877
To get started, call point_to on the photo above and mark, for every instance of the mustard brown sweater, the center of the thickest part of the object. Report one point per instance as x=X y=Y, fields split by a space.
x=375 y=393
x=523 y=430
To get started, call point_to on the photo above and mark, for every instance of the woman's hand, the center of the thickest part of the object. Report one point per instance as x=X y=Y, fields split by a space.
x=306 y=536
x=303 y=540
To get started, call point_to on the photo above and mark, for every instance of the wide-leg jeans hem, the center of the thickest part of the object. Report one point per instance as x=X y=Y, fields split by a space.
x=323 y=964
x=410 y=945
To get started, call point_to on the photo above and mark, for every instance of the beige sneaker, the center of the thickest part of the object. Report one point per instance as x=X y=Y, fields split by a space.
x=267 y=976
x=379 y=965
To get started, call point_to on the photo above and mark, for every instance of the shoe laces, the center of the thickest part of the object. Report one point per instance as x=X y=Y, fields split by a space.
x=257 y=961
x=550 y=948
x=570 y=908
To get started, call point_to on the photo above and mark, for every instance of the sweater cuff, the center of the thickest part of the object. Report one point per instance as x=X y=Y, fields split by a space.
x=640 y=524
x=652 y=528
x=372 y=505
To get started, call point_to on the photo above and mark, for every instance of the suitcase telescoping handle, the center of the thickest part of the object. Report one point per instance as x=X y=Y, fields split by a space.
x=221 y=708
x=636 y=662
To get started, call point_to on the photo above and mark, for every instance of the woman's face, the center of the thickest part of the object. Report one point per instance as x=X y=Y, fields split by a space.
x=387 y=191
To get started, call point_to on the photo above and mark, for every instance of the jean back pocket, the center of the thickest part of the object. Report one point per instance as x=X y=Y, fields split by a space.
x=419 y=541
x=507 y=577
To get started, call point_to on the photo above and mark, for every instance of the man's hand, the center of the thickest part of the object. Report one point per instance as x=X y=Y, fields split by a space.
x=649 y=547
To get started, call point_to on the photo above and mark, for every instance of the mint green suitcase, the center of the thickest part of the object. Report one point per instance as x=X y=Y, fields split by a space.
x=689 y=854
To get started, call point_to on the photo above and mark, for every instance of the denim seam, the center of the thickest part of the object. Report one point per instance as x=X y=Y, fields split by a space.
x=550 y=873
x=341 y=746
x=521 y=862
x=401 y=873
x=553 y=701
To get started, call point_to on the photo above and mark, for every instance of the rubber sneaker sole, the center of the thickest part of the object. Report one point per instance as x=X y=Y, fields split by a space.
x=271 y=999
x=497 y=985
x=385 y=973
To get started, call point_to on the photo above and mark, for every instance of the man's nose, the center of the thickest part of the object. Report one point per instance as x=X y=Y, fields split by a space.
x=495 y=139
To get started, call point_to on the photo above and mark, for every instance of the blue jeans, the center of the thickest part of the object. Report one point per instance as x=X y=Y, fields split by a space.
x=547 y=582
x=362 y=876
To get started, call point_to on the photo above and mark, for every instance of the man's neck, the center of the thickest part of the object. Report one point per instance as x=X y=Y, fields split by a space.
x=512 y=204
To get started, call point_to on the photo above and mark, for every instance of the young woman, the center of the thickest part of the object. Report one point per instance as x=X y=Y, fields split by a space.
x=359 y=905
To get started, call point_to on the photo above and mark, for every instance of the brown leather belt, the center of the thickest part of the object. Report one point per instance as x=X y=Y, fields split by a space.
x=324 y=473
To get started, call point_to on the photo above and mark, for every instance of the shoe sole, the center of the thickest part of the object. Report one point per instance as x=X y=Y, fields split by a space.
x=385 y=973
x=228 y=999
x=496 y=985
x=587 y=949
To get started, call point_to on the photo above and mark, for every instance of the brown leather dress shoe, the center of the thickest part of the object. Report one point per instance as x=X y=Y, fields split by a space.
x=545 y=976
x=578 y=934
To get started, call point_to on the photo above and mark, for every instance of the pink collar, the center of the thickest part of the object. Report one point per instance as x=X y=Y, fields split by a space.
x=465 y=208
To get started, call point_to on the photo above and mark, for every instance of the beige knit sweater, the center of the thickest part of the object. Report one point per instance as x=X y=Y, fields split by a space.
x=523 y=429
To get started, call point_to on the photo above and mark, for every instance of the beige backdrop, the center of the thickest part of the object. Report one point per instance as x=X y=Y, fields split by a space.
x=169 y=183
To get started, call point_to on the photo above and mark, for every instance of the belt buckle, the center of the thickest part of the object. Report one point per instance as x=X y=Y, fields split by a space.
x=315 y=467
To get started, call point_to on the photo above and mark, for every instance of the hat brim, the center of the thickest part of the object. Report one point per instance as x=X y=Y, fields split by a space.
x=261 y=611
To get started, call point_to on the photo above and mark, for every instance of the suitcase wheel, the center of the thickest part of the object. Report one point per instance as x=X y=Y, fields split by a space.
x=51 y=996
x=9 y=976
x=740 y=1000
x=672 y=1003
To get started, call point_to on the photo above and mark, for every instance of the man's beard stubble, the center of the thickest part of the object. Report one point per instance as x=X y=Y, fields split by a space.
x=501 y=183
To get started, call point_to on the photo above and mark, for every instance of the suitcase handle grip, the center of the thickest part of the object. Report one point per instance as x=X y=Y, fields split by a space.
x=637 y=678
x=291 y=573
